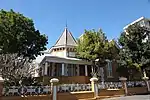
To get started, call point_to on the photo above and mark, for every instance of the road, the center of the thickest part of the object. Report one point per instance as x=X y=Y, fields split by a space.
x=135 y=97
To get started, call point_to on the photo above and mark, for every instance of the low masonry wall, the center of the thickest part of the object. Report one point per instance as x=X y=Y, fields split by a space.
x=70 y=91
x=105 y=92
x=42 y=97
x=137 y=90
x=75 y=95
x=60 y=96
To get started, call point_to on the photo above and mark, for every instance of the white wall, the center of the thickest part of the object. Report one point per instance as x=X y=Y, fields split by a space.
x=59 y=53
x=36 y=64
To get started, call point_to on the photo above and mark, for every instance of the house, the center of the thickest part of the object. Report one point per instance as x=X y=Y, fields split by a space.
x=60 y=62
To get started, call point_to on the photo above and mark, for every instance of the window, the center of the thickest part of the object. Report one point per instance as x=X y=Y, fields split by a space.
x=58 y=69
x=49 y=69
x=142 y=23
x=71 y=69
x=82 y=70
x=109 y=69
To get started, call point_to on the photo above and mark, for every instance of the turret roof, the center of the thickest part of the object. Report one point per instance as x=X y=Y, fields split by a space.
x=66 y=39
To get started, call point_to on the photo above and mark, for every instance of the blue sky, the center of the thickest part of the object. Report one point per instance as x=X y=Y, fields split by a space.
x=50 y=15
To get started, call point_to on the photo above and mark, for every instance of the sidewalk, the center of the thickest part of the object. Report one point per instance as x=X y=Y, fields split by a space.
x=134 y=97
x=102 y=97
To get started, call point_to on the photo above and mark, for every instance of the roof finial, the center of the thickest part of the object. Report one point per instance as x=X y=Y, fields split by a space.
x=66 y=23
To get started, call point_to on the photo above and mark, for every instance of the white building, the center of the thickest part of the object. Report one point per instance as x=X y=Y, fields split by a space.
x=142 y=21
x=60 y=61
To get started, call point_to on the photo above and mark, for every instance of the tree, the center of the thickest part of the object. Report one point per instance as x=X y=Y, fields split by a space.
x=20 y=43
x=135 y=48
x=18 y=35
x=93 y=46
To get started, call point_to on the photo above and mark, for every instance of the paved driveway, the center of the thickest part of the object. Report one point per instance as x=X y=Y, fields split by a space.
x=135 y=97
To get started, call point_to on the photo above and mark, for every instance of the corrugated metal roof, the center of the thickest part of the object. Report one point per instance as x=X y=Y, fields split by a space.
x=66 y=39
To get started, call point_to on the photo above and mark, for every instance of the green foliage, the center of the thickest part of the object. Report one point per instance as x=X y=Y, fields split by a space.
x=20 y=43
x=18 y=35
x=135 y=51
x=93 y=46
x=26 y=81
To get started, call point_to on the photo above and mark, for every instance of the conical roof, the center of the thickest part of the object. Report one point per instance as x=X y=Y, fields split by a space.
x=66 y=39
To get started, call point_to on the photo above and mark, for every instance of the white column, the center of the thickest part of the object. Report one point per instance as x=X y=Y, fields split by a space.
x=78 y=70
x=63 y=69
x=92 y=69
x=86 y=72
x=45 y=69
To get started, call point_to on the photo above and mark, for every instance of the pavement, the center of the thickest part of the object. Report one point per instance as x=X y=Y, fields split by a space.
x=134 y=97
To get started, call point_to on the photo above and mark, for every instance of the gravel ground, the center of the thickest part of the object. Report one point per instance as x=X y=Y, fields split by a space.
x=135 y=97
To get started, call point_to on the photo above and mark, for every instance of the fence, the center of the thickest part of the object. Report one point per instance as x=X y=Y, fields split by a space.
x=26 y=90
x=136 y=84
x=106 y=85
x=74 y=87
x=110 y=85
x=39 y=90
x=118 y=85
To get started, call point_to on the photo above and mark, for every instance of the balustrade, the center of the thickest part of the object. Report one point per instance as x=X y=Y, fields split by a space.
x=26 y=90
